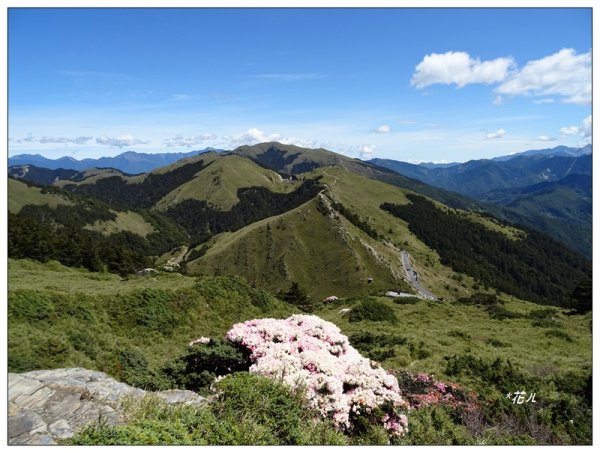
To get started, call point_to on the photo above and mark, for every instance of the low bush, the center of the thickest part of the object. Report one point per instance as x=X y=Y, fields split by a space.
x=372 y=310
x=556 y=333
x=249 y=410
x=200 y=364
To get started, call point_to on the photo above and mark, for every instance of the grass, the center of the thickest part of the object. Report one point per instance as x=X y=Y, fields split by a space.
x=218 y=183
x=446 y=328
x=325 y=256
x=21 y=194
x=250 y=410
x=125 y=221
x=131 y=328
x=103 y=322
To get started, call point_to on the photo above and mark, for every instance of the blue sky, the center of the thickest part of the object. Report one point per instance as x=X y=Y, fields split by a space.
x=406 y=84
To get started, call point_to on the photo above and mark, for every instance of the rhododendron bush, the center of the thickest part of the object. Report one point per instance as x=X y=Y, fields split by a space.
x=307 y=352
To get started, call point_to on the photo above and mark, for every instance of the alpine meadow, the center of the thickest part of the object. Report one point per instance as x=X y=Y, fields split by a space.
x=299 y=226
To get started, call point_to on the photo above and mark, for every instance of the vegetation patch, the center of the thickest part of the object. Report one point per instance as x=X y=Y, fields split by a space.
x=249 y=410
x=372 y=310
x=534 y=268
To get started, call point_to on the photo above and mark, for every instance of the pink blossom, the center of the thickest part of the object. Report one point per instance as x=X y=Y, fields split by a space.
x=308 y=352
x=440 y=386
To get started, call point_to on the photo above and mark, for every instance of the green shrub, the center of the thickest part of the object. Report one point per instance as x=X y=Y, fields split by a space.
x=249 y=410
x=459 y=334
x=372 y=310
x=198 y=366
x=31 y=306
x=436 y=426
x=497 y=373
x=497 y=343
x=558 y=334
x=407 y=300
x=150 y=309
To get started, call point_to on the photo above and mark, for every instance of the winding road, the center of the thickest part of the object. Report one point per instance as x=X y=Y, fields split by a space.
x=413 y=277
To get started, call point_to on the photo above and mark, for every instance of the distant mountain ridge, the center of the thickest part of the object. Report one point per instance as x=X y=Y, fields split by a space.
x=556 y=151
x=130 y=162
x=547 y=189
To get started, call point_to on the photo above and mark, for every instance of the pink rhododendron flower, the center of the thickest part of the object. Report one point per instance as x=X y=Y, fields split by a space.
x=307 y=352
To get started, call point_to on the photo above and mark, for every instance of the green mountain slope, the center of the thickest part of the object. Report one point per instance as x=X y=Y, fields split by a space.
x=21 y=194
x=218 y=184
x=551 y=194
x=323 y=229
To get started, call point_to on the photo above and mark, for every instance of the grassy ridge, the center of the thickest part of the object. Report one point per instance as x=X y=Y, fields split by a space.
x=22 y=194
x=218 y=184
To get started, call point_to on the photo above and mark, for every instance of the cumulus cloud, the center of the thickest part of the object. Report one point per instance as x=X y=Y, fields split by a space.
x=180 y=140
x=493 y=135
x=366 y=152
x=383 y=129
x=254 y=135
x=584 y=130
x=77 y=140
x=120 y=141
x=569 y=130
x=565 y=73
x=459 y=68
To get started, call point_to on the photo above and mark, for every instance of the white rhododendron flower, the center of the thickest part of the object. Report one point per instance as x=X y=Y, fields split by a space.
x=308 y=352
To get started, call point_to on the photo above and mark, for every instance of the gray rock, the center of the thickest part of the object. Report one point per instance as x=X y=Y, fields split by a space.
x=46 y=406
x=186 y=397
x=61 y=429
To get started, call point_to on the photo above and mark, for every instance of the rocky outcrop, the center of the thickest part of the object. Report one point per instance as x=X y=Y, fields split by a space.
x=47 y=406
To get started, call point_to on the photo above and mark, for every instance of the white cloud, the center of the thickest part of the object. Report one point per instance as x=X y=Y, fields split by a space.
x=498 y=134
x=251 y=137
x=569 y=130
x=543 y=101
x=120 y=141
x=584 y=130
x=498 y=100
x=366 y=152
x=254 y=135
x=180 y=97
x=383 y=129
x=565 y=73
x=179 y=140
x=78 y=140
x=586 y=127
x=546 y=138
x=459 y=68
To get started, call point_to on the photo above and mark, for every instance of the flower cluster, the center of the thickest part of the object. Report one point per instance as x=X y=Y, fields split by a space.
x=307 y=352
x=422 y=390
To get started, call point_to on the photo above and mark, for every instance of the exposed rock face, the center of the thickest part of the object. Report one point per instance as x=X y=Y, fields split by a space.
x=49 y=405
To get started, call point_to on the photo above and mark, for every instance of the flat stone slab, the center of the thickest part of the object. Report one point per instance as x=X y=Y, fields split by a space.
x=46 y=406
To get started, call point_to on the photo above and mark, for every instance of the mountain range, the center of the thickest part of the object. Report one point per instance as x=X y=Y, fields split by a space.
x=128 y=162
x=550 y=190
x=277 y=214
